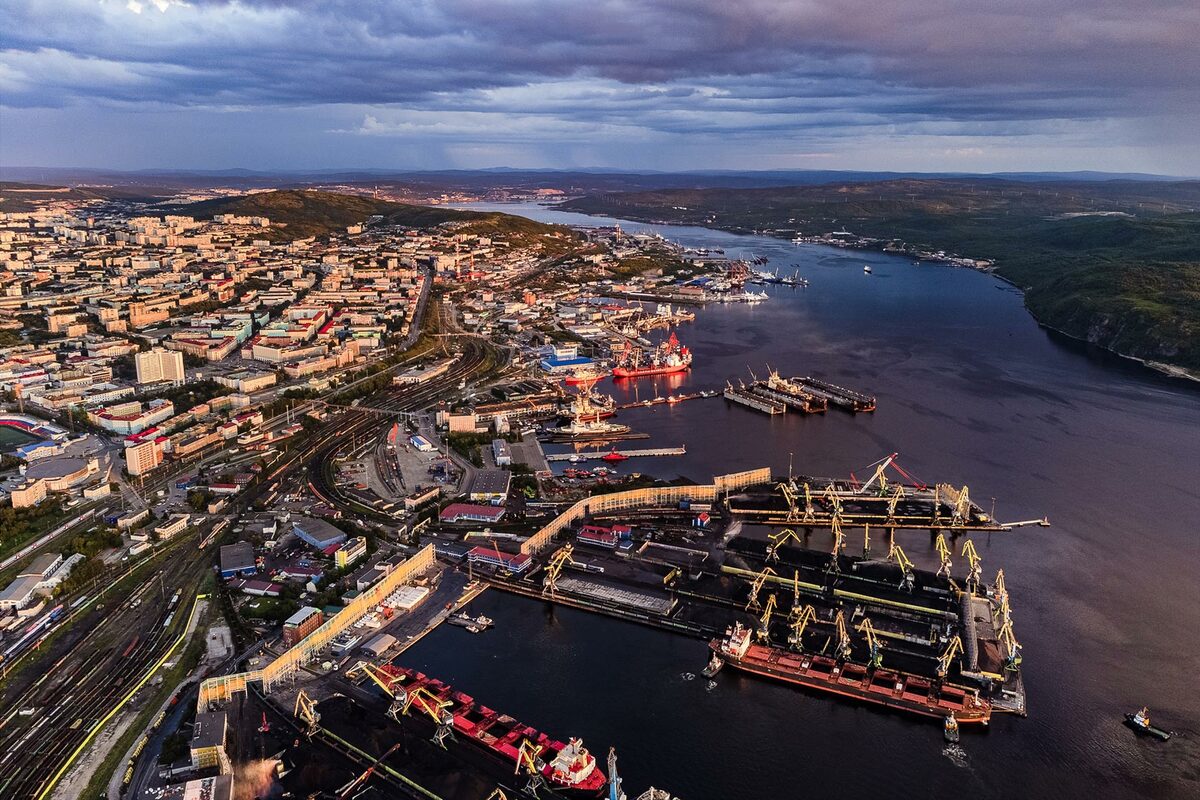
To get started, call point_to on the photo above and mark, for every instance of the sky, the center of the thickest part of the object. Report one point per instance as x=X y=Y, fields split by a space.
x=912 y=85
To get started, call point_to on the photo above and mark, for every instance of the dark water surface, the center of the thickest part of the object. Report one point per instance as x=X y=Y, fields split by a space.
x=1106 y=602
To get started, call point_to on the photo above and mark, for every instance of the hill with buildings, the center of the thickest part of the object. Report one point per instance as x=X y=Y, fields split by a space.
x=1114 y=263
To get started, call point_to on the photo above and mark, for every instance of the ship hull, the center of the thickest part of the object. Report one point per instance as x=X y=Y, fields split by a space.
x=863 y=688
x=642 y=372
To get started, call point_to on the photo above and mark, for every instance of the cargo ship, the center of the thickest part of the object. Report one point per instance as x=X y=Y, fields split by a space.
x=566 y=766
x=890 y=688
x=668 y=358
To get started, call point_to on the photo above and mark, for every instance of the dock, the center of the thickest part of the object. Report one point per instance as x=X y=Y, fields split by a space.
x=763 y=404
x=840 y=396
x=606 y=455
x=804 y=403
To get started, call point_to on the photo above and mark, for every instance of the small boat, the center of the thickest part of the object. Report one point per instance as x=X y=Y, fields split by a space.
x=713 y=667
x=950 y=729
x=614 y=456
x=867 y=268
x=1140 y=722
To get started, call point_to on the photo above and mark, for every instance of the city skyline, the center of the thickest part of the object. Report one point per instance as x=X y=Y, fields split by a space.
x=959 y=87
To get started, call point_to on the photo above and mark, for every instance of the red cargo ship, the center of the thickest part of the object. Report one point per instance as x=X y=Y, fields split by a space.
x=565 y=766
x=884 y=687
x=668 y=358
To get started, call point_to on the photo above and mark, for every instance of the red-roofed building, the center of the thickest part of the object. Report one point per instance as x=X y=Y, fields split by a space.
x=469 y=512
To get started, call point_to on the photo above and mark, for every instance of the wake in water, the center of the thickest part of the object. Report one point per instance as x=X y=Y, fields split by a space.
x=711 y=685
x=688 y=676
x=957 y=755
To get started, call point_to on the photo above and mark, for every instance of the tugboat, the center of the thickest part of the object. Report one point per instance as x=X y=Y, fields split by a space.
x=950 y=729
x=1140 y=722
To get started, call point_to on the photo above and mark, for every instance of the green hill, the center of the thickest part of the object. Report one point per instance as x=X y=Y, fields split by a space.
x=301 y=213
x=1114 y=263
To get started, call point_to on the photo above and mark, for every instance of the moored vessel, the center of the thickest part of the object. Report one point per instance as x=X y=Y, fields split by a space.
x=890 y=688
x=668 y=358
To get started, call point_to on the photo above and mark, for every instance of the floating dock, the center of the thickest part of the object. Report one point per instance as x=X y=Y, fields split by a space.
x=804 y=403
x=746 y=398
x=840 y=396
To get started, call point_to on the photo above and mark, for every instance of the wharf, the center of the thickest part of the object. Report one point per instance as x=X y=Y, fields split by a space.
x=745 y=398
x=838 y=395
x=670 y=400
x=605 y=454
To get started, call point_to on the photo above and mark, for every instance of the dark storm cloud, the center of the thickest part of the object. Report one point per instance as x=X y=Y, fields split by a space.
x=668 y=66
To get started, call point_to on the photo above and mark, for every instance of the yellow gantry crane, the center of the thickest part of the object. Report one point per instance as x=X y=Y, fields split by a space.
x=1012 y=656
x=778 y=540
x=764 y=622
x=842 y=648
x=558 y=561
x=897 y=556
x=953 y=649
x=435 y=707
x=975 y=563
x=528 y=762
x=788 y=490
x=799 y=622
x=944 y=553
x=876 y=649
x=756 y=587
x=893 y=501
x=306 y=712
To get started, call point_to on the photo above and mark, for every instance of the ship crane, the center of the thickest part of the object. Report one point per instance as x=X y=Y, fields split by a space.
x=557 y=562
x=842 y=649
x=944 y=553
x=756 y=587
x=907 y=577
x=1012 y=658
x=306 y=711
x=798 y=625
x=976 y=565
x=778 y=540
x=764 y=622
x=529 y=762
x=954 y=649
x=876 y=649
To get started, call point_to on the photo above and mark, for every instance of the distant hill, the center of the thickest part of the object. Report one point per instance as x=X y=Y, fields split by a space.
x=17 y=197
x=301 y=213
x=1115 y=263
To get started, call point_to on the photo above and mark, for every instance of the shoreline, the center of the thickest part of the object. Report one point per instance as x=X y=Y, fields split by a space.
x=1159 y=367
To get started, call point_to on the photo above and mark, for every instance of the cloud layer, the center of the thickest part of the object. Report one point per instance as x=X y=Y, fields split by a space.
x=741 y=82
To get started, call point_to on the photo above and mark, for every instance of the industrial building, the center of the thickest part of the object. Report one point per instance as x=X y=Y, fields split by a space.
x=238 y=559
x=208 y=742
x=490 y=486
x=317 y=532
x=350 y=551
x=501 y=453
x=301 y=624
x=467 y=512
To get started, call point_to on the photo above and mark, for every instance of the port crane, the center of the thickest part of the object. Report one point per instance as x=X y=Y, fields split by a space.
x=558 y=561
x=388 y=684
x=798 y=625
x=1012 y=658
x=839 y=545
x=764 y=622
x=1002 y=610
x=796 y=609
x=907 y=577
x=344 y=794
x=879 y=475
x=876 y=649
x=529 y=762
x=976 y=565
x=954 y=649
x=842 y=649
x=835 y=502
x=944 y=553
x=895 y=499
x=788 y=490
x=778 y=540
x=306 y=711
x=435 y=707
x=756 y=587
x=809 y=515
